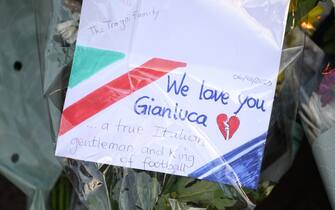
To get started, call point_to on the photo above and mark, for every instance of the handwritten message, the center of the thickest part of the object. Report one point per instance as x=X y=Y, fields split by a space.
x=173 y=87
x=147 y=105
x=121 y=24
x=150 y=157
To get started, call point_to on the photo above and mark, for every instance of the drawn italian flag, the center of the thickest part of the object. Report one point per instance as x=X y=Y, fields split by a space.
x=88 y=62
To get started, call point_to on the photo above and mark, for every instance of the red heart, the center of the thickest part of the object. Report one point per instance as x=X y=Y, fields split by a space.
x=233 y=123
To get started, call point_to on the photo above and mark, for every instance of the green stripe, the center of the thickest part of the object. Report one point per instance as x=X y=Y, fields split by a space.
x=88 y=61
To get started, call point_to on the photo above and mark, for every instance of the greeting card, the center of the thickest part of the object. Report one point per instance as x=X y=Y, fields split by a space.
x=174 y=86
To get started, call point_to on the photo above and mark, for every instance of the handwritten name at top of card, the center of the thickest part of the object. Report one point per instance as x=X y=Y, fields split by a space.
x=121 y=23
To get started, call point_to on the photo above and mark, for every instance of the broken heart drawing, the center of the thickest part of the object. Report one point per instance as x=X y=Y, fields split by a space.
x=227 y=126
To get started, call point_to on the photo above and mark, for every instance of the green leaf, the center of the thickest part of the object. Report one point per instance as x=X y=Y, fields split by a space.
x=137 y=191
x=188 y=190
x=163 y=203
x=222 y=203
x=203 y=193
x=177 y=205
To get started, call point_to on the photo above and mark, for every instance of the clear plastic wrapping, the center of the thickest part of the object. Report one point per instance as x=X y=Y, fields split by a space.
x=110 y=187
x=101 y=186
x=26 y=148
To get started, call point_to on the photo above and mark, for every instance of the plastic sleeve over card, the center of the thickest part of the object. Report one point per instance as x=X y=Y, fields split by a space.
x=177 y=87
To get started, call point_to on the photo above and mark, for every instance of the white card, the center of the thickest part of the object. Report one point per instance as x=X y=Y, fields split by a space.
x=174 y=86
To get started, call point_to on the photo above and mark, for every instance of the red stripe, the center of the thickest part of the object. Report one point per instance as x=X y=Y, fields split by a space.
x=115 y=90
